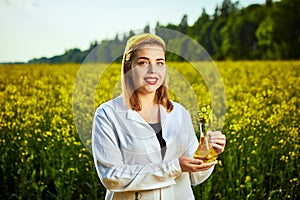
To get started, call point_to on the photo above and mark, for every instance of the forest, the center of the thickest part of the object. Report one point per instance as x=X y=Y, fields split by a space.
x=270 y=31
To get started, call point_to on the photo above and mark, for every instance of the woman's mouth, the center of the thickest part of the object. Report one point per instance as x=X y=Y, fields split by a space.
x=151 y=80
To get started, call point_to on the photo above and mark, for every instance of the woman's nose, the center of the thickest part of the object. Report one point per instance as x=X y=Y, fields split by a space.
x=152 y=68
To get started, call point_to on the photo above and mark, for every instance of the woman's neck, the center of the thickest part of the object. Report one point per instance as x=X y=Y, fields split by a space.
x=150 y=110
x=147 y=100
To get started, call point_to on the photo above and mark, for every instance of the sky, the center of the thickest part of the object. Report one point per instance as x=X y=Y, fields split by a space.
x=45 y=28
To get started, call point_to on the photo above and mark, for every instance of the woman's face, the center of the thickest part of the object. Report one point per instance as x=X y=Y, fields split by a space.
x=148 y=68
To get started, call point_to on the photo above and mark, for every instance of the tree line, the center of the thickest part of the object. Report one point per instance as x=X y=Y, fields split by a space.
x=269 y=31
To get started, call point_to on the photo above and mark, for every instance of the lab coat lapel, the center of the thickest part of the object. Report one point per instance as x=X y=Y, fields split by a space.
x=133 y=115
x=164 y=115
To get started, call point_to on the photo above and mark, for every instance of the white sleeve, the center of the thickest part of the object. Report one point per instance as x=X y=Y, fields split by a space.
x=196 y=177
x=201 y=176
x=114 y=173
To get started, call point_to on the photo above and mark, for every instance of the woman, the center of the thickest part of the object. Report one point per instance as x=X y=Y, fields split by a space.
x=143 y=143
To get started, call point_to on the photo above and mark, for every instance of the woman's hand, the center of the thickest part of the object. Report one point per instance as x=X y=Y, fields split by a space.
x=218 y=141
x=194 y=165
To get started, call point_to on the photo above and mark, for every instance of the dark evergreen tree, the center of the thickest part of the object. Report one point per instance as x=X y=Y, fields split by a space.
x=147 y=29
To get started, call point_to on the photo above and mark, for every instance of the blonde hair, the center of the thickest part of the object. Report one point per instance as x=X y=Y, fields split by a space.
x=129 y=93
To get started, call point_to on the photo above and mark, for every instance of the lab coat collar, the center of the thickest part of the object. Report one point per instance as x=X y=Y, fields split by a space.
x=133 y=115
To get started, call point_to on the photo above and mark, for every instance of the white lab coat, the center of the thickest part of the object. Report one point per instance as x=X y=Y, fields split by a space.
x=127 y=153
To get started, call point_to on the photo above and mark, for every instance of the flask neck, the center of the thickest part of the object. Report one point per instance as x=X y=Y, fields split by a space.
x=202 y=129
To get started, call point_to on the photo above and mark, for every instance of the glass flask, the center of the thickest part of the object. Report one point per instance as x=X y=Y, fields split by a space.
x=205 y=150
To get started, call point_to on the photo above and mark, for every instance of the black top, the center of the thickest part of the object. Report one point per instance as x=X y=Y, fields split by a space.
x=158 y=130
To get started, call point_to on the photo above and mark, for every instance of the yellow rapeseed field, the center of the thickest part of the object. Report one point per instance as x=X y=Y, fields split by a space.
x=42 y=156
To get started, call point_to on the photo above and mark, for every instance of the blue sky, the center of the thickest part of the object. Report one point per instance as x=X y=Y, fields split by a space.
x=37 y=28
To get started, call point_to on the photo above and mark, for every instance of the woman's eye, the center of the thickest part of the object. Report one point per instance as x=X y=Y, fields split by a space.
x=142 y=63
x=161 y=64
